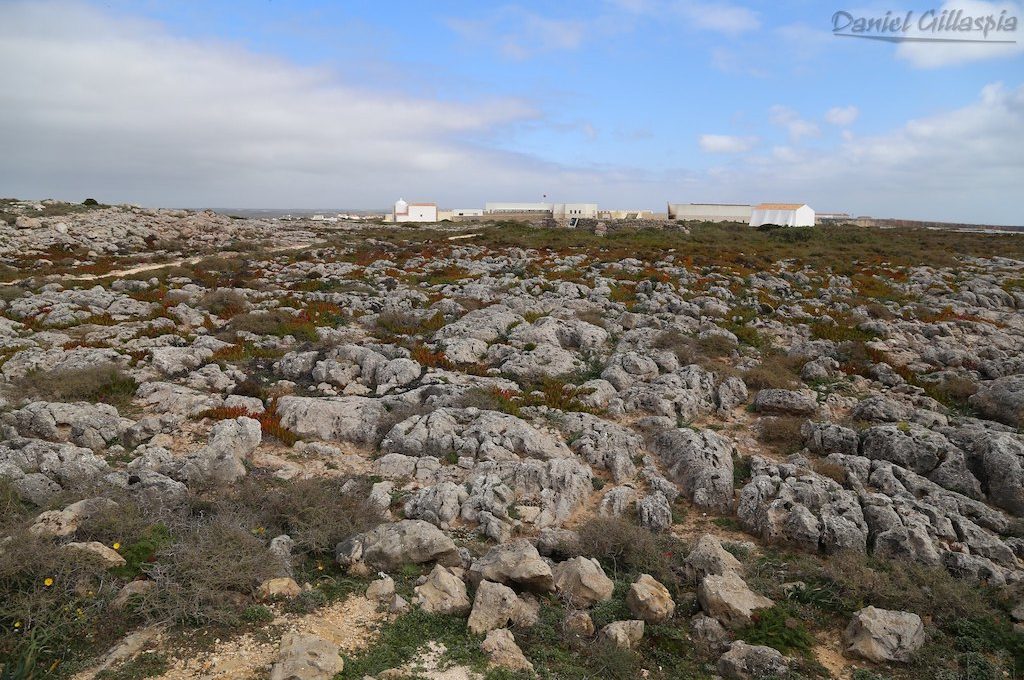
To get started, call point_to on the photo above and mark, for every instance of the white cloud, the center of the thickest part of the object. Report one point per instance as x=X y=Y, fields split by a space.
x=92 y=104
x=721 y=17
x=726 y=143
x=842 y=115
x=795 y=126
x=937 y=54
x=96 y=105
x=962 y=165
x=520 y=34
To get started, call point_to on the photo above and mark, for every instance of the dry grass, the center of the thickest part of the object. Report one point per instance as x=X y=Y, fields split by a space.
x=774 y=371
x=782 y=433
x=104 y=383
x=208 y=574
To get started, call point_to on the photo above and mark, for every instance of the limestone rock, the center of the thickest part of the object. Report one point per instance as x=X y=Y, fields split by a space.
x=881 y=635
x=306 y=657
x=582 y=582
x=649 y=600
x=728 y=599
x=501 y=648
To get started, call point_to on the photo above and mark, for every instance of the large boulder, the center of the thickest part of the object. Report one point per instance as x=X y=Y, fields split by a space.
x=787 y=503
x=701 y=462
x=94 y=426
x=221 y=461
x=881 y=635
x=752 y=662
x=306 y=657
x=582 y=582
x=516 y=562
x=474 y=433
x=786 y=402
x=493 y=607
x=1001 y=399
x=623 y=634
x=340 y=419
x=649 y=600
x=390 y=546
x=502 y=651
x=728 y=599
x=444 y=592
x=709 y=558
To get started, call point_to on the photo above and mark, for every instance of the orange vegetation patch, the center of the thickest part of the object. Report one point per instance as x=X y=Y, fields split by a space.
x=269 y=420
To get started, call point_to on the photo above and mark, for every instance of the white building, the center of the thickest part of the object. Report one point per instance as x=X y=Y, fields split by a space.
x=782 y=214
x=710 y=212
x=467 y=212
x=500 y=207
x=557 y=210
x=414 y=212
x=570 y=210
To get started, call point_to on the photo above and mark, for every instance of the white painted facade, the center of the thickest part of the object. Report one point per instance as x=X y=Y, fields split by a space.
x=414 y=212
x=570 y=210
x=467 y=212
x=709 y=212
x=782 y=214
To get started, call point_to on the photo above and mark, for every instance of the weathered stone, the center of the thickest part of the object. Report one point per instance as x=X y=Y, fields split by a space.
x=649 y=600
x=582 y=582
x=623 y=634
x=390 y=546
x=515 y=562
x=306 y=657
x=493 y=607
x=443 y=592
x=502 y=651
x=881 y=635
x=702 y=464
x=751 y=662
x=728 y=599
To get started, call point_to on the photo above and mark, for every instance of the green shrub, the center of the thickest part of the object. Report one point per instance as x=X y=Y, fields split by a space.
x=146 y=665
x=777 y=627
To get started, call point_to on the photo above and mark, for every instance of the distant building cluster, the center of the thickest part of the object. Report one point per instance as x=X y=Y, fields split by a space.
x=429 y=212
x=781 y=214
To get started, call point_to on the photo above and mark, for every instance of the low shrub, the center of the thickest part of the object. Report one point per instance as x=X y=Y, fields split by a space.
x=103 y=383
x=53 y=604
x=224 y=303
x=208 y=574
x=779 y=628
x=315 y=512
x=781 y=433
x=776 y=371
x=626 y=549
x=398 y=322
x=277 y=322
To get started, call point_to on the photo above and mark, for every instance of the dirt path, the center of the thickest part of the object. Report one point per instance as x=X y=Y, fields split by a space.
x=350 y=624
x=153 y=266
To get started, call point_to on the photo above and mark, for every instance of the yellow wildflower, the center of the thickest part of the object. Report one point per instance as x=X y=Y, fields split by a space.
x=117 y=546
x=47 y=581
x=17 y=624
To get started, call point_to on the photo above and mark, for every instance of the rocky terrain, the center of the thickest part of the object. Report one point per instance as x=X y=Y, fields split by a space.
x=235 y=448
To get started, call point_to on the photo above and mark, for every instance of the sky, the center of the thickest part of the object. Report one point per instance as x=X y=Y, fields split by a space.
x=627 y=103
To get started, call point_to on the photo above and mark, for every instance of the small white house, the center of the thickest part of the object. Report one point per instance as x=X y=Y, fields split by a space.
x=782 y=214
x=414 y=212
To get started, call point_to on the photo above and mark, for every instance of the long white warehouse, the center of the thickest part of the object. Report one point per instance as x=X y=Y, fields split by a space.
x=709 y=212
